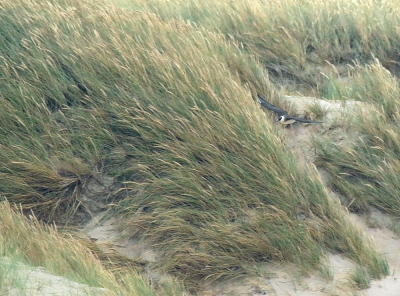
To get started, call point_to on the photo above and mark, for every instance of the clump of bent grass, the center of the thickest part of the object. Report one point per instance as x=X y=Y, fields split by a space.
x=367 y=172
x=170 y=116
x=316 y=109
x=371 y=83
x=27 y=240
x=361 y=278
x=326 y=270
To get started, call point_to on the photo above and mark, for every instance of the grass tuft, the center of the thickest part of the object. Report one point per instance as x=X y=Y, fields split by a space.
x=27 y=242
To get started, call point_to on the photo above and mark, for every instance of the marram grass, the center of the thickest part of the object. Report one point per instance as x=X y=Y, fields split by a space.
x=294 y=39
x=164 y=107
x=367 y=172
x=35 y=244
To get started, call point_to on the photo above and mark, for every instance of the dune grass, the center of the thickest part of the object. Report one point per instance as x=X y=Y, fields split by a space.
x=295 y=39
x=26 y=242
x=165 y=107
x=367 y=173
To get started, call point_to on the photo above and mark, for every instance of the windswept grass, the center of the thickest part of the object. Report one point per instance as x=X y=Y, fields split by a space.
x=367 y=173
x=361 y=278
x=165 y=107
x=66 y=119
x=27 y=240
x=371 y=83
x=294 y=39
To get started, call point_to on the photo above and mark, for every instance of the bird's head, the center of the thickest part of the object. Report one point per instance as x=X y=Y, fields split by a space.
x=281 y=119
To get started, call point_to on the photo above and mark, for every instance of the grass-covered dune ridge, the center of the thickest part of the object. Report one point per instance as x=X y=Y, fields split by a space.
x=166 y=109
x=295 y=38
x=102 y=95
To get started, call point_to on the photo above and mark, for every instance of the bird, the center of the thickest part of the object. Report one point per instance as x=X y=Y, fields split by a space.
x=284 y=118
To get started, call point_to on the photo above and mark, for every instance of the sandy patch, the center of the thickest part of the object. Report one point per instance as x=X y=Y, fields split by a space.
x=287 y=280
x=106 y=235
x=389 y=244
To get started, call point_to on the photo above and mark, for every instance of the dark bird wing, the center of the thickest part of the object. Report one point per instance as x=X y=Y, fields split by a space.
x=271 y=107
x=304 y=120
